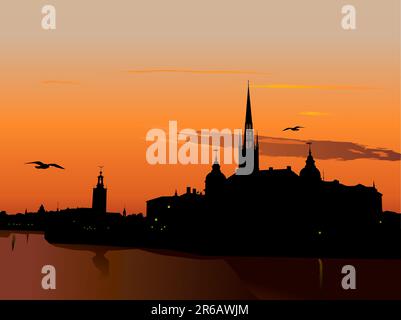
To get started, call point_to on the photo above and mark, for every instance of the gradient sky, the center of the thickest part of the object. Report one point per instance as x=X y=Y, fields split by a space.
x=86 y=93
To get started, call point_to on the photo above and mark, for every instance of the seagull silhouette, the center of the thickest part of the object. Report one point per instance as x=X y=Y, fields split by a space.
x=296 y=128
x=41 y=165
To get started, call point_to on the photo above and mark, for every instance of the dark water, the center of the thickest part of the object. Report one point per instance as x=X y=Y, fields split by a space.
x=94 y=272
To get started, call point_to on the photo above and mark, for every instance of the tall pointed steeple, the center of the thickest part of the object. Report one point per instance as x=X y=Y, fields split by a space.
x=249 y=144
x=248 y=116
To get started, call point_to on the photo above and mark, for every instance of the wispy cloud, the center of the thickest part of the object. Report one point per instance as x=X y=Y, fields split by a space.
x=324 y=149
x=313 y=113
x=196 y=71
x=304 y=86
x=60 y=82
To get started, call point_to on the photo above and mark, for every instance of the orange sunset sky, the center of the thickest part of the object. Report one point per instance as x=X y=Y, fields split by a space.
x=87 y=93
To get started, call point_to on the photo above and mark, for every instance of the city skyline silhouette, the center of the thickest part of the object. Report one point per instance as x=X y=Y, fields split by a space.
x=277 y=211
x=215 y=151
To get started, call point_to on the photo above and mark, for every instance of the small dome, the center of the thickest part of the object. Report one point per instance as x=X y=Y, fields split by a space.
x=310 y=171
x=215 y=174
x=215 y=180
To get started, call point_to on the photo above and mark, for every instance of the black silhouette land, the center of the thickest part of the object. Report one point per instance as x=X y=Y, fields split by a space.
x=271 y=212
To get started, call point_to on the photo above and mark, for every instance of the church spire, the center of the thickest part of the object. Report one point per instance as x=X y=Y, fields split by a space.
x=248 y=117
x=248 y=136
x=249 y=144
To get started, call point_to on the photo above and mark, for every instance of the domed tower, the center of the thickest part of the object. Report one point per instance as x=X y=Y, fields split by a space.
x=310 y=172
x=215 y=181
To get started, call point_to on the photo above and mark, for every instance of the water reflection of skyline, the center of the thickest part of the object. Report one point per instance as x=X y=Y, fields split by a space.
x=96 y=272
x=99 y=259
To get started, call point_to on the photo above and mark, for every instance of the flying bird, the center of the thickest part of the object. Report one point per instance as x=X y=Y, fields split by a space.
x=41 y=165
x=296 y=128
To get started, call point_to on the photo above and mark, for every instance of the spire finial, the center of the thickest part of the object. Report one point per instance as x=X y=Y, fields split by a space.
x=100 y=177
x=215 y=157
x=310 y=151
x=248 y=116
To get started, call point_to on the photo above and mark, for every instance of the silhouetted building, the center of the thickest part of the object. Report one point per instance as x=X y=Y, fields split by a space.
x=99 y=199
x=175 y=210
x=276 y=210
